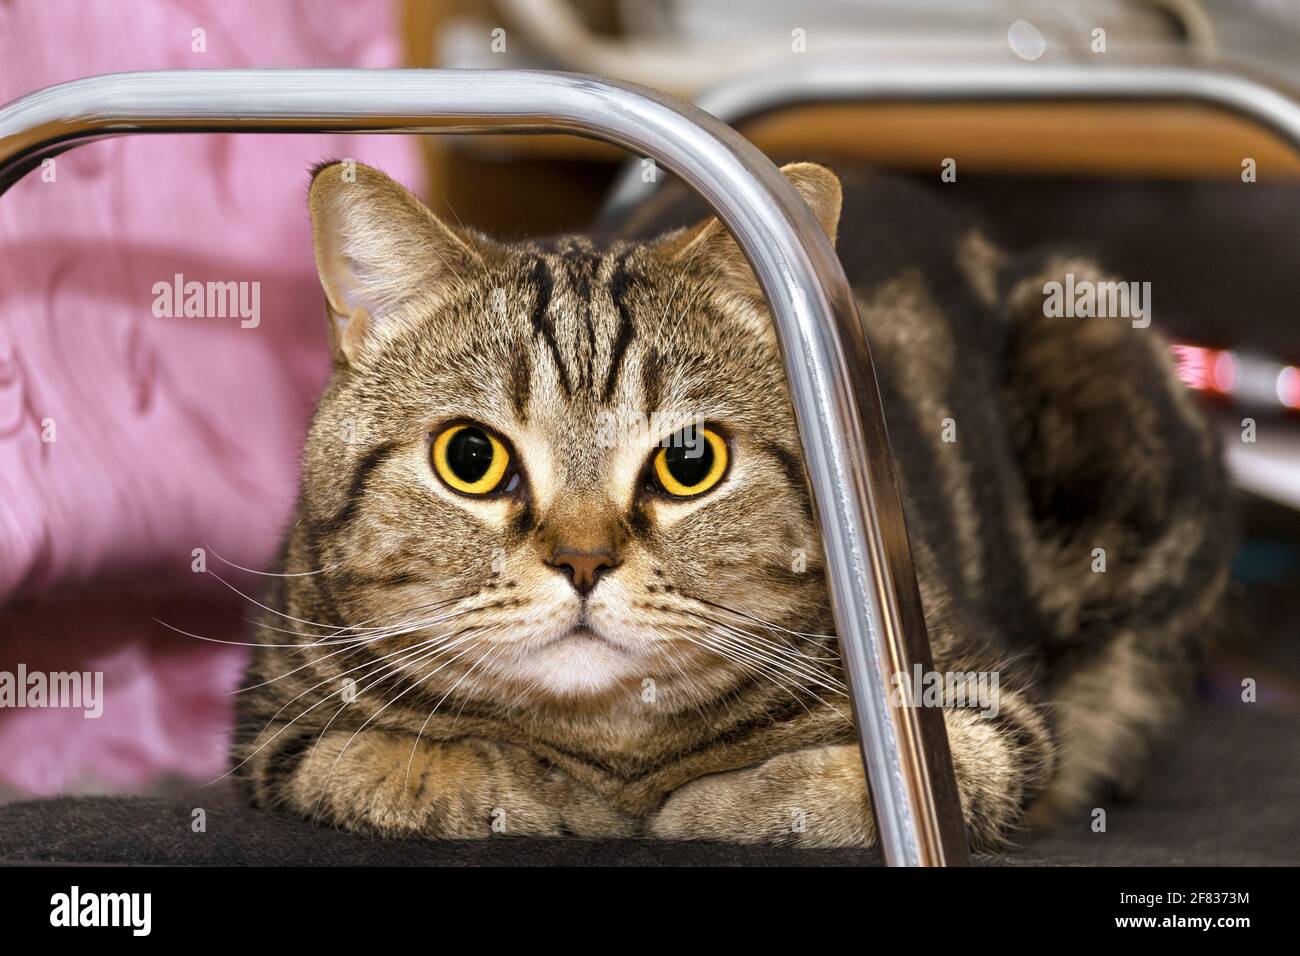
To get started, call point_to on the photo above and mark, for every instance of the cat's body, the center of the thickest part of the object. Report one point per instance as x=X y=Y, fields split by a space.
x=603 y=657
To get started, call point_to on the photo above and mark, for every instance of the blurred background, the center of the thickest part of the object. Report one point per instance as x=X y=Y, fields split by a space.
x=176 y=434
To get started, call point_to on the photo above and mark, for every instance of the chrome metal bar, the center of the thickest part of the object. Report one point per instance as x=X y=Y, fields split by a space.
x=872 y=583
x=853 y=81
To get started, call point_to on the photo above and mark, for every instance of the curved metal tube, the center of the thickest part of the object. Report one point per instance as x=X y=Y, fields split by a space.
x=872 y=582
x=852 y=81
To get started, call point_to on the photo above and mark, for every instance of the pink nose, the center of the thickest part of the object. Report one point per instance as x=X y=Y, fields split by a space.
x=584 y=568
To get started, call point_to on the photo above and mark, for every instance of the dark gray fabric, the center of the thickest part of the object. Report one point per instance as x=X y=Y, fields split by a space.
x=1225 y=792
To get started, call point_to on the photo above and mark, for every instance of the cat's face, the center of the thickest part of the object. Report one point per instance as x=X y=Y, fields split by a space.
x=574 y=469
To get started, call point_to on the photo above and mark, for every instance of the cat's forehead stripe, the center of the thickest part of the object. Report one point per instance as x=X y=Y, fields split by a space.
x=543 y=322
x=521 y=383
x=619 y=285
x=652 y=380
x=582 y=336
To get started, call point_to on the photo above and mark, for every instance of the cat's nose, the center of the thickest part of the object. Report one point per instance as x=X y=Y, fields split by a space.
x=583 y=568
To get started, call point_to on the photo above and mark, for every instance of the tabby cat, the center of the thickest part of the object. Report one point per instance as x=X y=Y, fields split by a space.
x=554 y=568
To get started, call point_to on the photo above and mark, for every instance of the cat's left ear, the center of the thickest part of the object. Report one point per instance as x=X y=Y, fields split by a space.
x=377 y=249
x=711 y=245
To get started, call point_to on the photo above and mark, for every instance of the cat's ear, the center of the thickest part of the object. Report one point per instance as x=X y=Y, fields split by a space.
x=377 y=248
x=711 y=245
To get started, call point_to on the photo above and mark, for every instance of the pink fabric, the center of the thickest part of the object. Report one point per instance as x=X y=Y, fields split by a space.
x=166 y=701
x=169 y=433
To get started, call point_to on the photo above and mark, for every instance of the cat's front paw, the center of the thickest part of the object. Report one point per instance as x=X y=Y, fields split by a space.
x=396 y=785
x=383 y=784
x=815 y=797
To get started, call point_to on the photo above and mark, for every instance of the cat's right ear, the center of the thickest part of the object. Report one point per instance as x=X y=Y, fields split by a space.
x=711 y=246
x=378 y=248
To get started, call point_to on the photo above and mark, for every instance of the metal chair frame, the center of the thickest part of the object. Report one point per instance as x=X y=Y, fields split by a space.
x=832 y=383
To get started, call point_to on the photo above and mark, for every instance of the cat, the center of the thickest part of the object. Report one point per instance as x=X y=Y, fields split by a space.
x=554 y=568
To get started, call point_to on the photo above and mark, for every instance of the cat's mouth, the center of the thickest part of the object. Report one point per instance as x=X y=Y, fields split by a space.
x=582 y=634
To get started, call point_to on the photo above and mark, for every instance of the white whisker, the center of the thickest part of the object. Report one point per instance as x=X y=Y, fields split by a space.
x=387 y=668
x=371 y=718
x=491 y=650
x=265 y=574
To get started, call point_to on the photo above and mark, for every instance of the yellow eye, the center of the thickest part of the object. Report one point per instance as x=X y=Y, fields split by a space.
x=693 y=462
x=470 y=459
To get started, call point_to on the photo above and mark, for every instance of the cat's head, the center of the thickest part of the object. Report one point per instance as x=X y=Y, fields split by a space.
x=574 y=468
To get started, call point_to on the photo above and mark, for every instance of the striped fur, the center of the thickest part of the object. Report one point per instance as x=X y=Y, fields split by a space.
x=419 y=674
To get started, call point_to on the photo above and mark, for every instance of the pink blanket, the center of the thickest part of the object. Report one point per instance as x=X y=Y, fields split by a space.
x=132 y=430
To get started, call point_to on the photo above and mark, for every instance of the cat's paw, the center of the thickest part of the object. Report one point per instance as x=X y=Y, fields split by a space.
x=382 y=784
x=815 y=797
x=395 y=785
